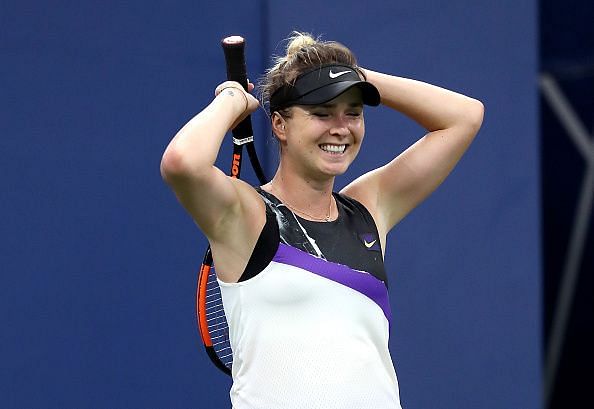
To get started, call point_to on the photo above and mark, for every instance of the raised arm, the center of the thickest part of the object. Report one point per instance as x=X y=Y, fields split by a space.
x=217 y=203
x=452 y=121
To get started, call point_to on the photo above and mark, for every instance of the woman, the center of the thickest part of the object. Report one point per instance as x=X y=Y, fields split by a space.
x=300 y=267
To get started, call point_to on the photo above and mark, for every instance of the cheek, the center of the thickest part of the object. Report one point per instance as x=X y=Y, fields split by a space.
x=359 y=131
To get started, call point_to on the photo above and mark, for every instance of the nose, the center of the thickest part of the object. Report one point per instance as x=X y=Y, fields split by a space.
x=339 y=126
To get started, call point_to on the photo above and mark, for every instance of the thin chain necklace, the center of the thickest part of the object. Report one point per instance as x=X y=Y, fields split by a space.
x=295 y=210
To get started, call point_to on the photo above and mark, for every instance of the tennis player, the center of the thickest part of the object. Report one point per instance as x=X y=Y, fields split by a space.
x=300 y=266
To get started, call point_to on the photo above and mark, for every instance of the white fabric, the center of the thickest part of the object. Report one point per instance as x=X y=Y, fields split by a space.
x=302 y=341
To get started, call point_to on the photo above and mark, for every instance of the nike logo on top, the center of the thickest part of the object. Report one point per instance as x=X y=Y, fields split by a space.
x=337 y=74
x=369 y=244
x=370 y=241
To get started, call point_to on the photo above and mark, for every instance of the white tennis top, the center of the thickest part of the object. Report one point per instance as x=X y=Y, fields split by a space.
x=310 y=333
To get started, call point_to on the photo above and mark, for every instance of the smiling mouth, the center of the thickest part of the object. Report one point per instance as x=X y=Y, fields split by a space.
x=334 y=149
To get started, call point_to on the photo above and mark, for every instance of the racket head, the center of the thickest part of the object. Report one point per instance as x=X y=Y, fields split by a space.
x=210 y=314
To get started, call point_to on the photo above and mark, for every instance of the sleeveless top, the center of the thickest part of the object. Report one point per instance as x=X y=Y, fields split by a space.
x=309 y=318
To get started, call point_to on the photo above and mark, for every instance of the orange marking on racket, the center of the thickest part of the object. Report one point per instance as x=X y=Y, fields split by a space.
x=201 y=301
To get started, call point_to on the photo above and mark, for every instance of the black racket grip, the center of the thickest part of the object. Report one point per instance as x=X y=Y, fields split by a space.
x=234 y=49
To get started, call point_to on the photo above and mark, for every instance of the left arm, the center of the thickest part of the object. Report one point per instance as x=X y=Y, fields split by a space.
x=452 y=121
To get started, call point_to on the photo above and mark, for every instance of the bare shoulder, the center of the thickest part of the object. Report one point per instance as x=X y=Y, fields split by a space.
x=238 y=234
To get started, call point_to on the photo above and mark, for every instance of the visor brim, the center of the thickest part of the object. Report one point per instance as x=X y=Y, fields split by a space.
x=369 y=93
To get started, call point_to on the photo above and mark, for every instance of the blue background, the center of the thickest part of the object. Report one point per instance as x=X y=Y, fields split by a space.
x=98 y=260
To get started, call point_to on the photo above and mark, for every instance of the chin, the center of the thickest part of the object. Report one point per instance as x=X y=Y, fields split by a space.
x=336 y=170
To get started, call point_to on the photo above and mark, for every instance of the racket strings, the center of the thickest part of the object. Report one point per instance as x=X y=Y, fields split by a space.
x=218 y=327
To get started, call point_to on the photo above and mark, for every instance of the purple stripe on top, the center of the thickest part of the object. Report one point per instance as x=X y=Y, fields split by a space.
x=364 y=283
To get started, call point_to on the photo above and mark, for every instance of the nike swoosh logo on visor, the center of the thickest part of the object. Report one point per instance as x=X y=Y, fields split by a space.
x=337 y=74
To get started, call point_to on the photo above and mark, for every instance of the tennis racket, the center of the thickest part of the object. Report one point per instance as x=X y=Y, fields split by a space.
x=210 y=314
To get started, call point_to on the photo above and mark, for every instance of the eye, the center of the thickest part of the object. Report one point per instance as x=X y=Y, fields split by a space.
x=355 y=110
x=320 y=114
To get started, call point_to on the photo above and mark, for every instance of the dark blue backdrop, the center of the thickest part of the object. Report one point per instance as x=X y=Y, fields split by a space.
x=98 y=260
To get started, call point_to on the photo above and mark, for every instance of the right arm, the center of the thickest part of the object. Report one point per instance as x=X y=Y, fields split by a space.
x=225 y=209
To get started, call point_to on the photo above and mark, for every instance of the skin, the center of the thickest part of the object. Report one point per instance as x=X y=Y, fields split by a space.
x=234 y=215
x=306 y=170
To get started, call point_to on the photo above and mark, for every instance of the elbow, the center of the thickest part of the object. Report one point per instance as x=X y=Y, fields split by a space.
x=474 y=115
x=478 y=113
x=171 y=165
x=175 y=166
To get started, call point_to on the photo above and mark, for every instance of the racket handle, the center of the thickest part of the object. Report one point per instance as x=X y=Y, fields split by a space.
x=234 y=49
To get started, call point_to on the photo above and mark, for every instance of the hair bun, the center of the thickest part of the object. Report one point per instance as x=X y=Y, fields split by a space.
x=298 y=42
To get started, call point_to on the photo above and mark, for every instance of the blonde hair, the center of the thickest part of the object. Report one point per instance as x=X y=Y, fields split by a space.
x=303 y=53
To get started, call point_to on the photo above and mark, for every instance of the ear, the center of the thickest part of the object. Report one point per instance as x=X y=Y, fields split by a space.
x=278 y=126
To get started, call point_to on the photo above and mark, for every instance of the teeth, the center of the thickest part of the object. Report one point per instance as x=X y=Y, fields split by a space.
x=333 y=148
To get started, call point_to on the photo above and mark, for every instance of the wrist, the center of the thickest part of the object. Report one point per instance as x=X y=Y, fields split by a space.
x=231 y=92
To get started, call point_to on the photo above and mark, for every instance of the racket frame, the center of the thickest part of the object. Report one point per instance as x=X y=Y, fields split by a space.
x=234 y=50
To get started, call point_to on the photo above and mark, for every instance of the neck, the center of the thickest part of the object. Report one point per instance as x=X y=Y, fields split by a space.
x=310 y=198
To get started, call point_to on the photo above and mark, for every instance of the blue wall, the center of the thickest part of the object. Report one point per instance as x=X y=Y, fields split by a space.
x=98 y=260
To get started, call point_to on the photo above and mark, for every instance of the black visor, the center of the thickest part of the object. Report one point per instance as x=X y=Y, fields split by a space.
x=322 y=85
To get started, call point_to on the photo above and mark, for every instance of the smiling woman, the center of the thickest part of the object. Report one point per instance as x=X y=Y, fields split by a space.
x=301 y=267
x=336 y=128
